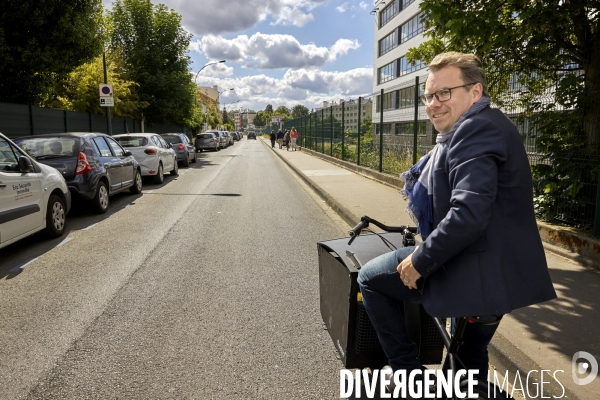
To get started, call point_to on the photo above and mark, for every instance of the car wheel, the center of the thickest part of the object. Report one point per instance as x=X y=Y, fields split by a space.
x=137 y=183
x=186 y=162
x=200 y=150
x=100 y=201
x=56 y=217
x=160 y=175
x=195 y=158
x=175 y=167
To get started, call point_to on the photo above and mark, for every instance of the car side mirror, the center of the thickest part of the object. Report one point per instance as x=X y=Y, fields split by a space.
x=127 y=153
x=25 y=164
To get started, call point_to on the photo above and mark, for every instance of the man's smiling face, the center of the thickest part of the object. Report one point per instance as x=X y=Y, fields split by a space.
x=445 y=114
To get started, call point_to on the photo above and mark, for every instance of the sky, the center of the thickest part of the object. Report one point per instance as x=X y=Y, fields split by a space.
x=280 y=52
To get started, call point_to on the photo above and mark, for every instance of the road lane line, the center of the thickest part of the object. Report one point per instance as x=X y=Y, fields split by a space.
x=90 y=227
x=22 y=266
x=67 y=240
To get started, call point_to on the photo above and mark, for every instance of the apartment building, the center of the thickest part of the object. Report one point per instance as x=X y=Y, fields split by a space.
x=350 y=111
x=398 y=27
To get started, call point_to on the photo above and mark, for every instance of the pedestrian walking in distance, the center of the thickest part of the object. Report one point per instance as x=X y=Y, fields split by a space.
x=293 y=137
x=279 y=138
x=286 y=139
x=272 y=137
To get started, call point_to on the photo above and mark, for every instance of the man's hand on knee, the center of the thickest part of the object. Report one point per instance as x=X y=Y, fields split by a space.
x=408 y=273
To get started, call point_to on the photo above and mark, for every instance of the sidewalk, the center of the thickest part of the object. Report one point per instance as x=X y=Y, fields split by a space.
x=541 y=337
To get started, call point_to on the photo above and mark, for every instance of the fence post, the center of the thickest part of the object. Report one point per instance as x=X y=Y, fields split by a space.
x=331 y=122
x=322 y=131
x=91 y=122
x=597 y=218
x=381 y=131
x=416 y=123
x=343 y=128
x=358 y=145
x=66 y=122
x=31 y=125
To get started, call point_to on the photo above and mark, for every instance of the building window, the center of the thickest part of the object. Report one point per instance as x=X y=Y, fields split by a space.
x=388 y=43
x=406 y=128
x=387 y=72
x=387 y=129
x=388 y=13
x=404 y=67
x=411 y=28
x=406 y=98
x=387 y=101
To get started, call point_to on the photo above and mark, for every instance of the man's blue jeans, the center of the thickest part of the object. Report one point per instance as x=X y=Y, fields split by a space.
x=382 y=290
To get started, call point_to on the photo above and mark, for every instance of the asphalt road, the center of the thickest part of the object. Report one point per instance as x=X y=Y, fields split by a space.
x=204 y=287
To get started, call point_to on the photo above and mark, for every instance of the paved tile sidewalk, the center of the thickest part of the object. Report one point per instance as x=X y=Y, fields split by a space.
x=541 y=337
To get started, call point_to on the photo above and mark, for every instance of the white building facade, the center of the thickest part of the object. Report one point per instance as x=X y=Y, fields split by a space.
x=398 y=27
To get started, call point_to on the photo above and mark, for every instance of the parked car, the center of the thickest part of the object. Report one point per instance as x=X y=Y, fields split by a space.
x=237 y=136
x=183 y=146
x=251 y=135
x=207 y=141
x=222 y=139
x=33 y=196
x=152 y=152
x=228 y=137
x=94 y=165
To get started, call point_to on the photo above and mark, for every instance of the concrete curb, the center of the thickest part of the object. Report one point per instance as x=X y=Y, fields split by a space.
x=504 y=356
x=566 y=242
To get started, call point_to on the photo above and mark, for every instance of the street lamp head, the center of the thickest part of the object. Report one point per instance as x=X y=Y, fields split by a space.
x=206 y=65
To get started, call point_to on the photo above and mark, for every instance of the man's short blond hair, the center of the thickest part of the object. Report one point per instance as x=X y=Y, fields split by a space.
x=469 y=64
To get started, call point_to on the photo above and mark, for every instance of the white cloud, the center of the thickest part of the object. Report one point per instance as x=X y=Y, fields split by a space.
x=202 y=17
x=262 y=51
x=363 y=5
x=342 y=8
x=307 y=87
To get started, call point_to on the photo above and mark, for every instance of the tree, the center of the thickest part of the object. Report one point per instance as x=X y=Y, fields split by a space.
x=299 y=111
x=42 y=41
x=155 y=47
x=212 y=116
x=536 y=43
x=79 y=90
x=269 y=109
x=261 y=119
x=225 y=117
x=531 y=50
x=283 y=111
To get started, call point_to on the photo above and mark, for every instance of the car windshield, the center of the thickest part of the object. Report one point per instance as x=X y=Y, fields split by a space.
x=49 y=147
x=132 y=141
x=172 y=139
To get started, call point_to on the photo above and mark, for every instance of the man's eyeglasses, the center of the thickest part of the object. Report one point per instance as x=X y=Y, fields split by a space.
x=442 y=94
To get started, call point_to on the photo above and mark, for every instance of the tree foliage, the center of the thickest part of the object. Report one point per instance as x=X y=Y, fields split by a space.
x=42 y=41
x=155 y=49
x=282 y=111
x=299 y=111
x=78 y=91
x=532 y=49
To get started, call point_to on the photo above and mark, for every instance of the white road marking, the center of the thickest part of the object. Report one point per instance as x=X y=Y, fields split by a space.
x=22 y=266
x=67 y=240
x=90 y=227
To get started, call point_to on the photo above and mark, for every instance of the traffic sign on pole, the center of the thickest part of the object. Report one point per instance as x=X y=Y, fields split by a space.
x=106 y=90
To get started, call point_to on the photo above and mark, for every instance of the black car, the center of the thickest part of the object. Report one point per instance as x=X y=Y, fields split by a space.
x=251 y=135
x=94 y=165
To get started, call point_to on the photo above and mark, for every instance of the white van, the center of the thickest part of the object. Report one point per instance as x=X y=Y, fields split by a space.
x=33 y=196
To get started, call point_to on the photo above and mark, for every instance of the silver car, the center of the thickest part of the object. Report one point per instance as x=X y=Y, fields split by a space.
x=222 y=138
x=207 y=141
x=186 y=152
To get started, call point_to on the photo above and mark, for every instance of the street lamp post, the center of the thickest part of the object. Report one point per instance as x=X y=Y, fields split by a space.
x=198 y=73
x=210 y=63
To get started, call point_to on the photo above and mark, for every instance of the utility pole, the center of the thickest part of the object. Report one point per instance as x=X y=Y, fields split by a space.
x=108 y=122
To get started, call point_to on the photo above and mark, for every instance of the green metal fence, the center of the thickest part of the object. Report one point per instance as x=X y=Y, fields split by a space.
x=389 y=131
x=25 y=120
